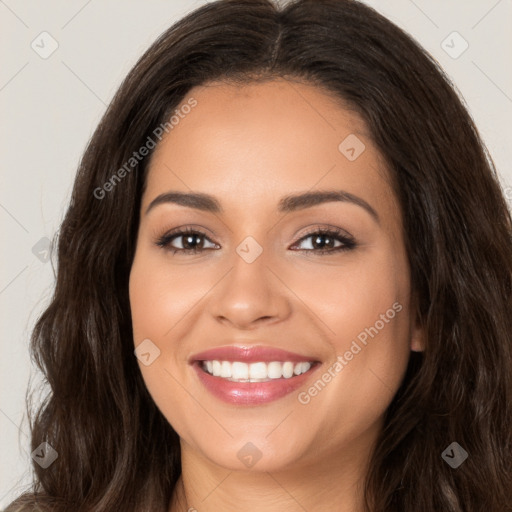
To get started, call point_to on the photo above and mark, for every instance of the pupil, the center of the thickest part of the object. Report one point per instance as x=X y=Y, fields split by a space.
x=188 y=239
x=321 y=237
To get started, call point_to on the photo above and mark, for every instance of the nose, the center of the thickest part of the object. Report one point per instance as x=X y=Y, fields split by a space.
x=250 y=294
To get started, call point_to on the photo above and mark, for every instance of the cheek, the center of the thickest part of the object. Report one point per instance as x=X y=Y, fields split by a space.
x=365 y=309
x=159 y=298
x=351 y=297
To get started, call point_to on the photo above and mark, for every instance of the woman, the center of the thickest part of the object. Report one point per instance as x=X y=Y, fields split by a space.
x=284 y=281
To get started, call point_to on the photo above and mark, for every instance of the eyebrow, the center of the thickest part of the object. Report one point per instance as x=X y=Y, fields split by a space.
x=287 y=204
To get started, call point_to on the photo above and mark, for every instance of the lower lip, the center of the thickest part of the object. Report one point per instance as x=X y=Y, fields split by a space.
x=251 y=393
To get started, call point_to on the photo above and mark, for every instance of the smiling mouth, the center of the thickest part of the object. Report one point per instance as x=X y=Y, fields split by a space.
x=252 y=375
x=238 y=371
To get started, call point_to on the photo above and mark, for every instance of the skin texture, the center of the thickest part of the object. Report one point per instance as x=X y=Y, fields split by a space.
x=249 y=146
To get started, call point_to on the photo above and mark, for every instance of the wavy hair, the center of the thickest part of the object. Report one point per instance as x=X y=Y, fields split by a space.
x=116 y=451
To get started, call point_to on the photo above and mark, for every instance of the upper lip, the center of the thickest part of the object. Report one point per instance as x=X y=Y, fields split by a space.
x=252 y=354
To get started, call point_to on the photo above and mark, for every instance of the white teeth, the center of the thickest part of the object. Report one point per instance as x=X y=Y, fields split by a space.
x=225 y=369
x=275 y=370
x=254 y=372
x=305 y=367
x=216 y=368
x=287 y=370
x=258 y=371
x=239 y=370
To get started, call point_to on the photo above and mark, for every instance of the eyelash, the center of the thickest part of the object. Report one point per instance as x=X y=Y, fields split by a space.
x=347 y=241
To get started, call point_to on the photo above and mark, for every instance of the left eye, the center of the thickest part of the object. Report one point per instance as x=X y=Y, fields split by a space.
x=318 y=239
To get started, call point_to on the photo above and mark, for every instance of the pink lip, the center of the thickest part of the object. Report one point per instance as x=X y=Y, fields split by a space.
x=249 y=355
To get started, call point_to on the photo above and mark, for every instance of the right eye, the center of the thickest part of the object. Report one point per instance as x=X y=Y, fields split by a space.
x=189 y=244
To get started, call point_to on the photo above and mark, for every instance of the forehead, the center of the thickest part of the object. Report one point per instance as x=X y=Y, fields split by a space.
x=254 y=143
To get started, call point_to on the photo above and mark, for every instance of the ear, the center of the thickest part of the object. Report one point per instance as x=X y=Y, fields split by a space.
x=417 y=336
x=417 y=339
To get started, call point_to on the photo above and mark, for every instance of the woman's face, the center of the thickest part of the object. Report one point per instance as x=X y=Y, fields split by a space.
x=264 y=280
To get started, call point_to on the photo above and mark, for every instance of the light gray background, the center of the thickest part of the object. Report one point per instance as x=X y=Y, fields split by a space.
x=50 y=107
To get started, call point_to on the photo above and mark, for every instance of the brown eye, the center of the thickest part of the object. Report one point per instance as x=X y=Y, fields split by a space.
x=324 y=241
x=192 y=241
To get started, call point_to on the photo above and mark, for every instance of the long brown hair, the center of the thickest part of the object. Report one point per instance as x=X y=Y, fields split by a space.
x=116 y=451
